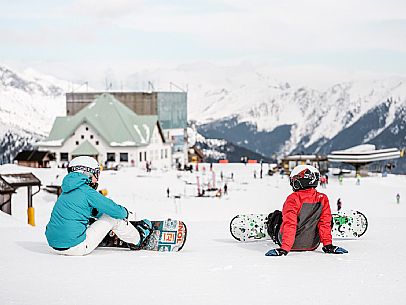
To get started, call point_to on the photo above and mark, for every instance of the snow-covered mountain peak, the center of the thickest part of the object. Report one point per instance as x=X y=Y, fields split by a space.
x=31 y=82
x=29 y=101
x=314 y=114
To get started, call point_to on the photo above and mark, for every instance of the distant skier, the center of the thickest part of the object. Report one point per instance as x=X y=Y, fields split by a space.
x=398 y=198
x=323 y=182
x=225 y=189
x=305 y=220
x=255 y=174
x=358 y=179
x=339 y=204
x=167 y=192
x=68 y=231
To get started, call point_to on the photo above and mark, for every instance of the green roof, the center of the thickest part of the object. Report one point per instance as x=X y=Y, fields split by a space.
x=85 y=149
x=117 y=124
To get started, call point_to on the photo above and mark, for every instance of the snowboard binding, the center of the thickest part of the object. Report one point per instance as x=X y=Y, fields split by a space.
x=145 y=229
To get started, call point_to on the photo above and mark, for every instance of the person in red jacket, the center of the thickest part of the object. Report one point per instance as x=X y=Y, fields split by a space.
x=306 y=217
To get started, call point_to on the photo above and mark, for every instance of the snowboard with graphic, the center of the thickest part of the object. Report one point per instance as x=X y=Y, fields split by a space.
x=167 y=236
x=349 y=224
x=253 y=227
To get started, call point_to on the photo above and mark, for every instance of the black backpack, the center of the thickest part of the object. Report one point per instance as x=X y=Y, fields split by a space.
x=274 y=223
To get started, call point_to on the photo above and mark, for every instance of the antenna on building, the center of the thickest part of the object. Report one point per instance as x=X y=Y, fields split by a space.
x=151 y=86
x=176 y=86
x=109 y=85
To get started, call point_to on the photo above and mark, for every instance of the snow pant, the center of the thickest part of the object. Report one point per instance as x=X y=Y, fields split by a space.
x=98 y=230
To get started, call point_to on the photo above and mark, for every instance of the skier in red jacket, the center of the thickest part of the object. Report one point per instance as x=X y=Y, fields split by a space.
x=306 y=217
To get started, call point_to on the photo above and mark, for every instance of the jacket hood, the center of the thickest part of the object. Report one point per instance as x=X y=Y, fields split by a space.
x=73 y=181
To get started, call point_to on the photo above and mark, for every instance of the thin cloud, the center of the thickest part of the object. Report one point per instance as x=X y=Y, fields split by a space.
x=289 y=34
x=106 y=9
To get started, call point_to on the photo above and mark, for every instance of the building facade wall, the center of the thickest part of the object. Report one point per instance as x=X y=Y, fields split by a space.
x=170 y=107
x=142 y=103
x=28 y=163
x=157 y=152
x=172 y=115
x=178 y=140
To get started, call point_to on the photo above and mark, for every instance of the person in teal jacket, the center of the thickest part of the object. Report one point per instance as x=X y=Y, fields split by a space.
x=68 y=231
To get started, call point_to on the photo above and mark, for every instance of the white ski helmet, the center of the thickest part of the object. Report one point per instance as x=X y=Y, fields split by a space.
x=303 y=177
x=85 y=165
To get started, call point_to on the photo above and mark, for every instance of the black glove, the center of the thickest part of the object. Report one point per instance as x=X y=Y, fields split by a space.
x=95 y=212
x=334 y=249
x=276 y=252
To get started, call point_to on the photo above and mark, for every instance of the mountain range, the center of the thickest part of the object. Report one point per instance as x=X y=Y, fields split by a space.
x=29 y=103
x=244 y=105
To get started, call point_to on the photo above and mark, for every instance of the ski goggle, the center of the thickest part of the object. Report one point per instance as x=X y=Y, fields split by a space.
x=84 y=169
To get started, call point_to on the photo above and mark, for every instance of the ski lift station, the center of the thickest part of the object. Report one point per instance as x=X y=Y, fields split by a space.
x=362 y=155
x=357 y=156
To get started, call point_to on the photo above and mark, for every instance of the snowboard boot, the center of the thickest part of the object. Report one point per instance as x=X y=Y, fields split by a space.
x=145 y=229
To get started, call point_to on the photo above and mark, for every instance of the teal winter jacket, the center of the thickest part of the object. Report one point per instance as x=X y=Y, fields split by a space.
x=71 y=213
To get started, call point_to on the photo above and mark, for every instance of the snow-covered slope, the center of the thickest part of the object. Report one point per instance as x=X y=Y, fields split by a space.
x=213 y=268
x=30 y=101
x=217 y=149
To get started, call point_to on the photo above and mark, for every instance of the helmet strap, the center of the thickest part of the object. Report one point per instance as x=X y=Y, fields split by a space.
x=297 y=185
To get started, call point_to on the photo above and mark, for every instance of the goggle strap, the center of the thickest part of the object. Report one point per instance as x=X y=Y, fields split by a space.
x=95 y=172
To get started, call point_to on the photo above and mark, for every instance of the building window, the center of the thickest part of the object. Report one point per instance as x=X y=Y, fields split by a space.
x=97 y=142
x=123 y=157
x=145 y=156
x=64 y=156
x=162 y=153
x=166 y=153
x=77 y=142
x=91 y=136
x=82 y=137
x=111 y=157
x=140 y=156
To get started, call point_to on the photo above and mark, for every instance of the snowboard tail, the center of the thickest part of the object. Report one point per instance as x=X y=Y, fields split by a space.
x=249 y=227
x=349 y=224
x=167 y=236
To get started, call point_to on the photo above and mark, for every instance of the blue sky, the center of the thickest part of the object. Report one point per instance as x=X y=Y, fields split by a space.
x=71 y=38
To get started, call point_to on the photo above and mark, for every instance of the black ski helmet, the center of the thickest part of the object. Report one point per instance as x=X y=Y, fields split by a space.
x=304 y=177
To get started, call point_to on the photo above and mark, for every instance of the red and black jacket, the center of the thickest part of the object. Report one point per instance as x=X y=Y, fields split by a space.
x=306 y=221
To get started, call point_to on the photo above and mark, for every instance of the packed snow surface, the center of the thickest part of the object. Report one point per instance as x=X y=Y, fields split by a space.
x=212 y=268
